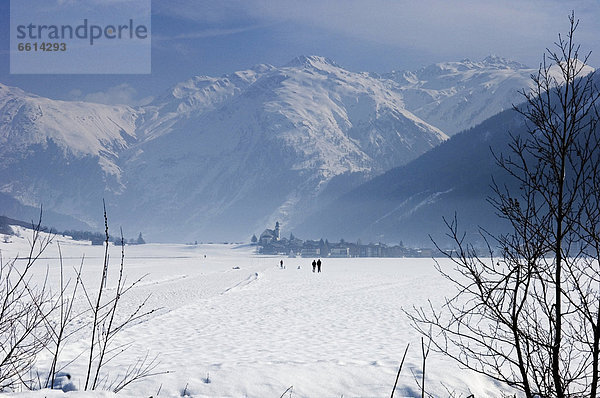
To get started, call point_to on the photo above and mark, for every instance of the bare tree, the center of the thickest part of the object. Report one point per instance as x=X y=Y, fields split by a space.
x=23 y=310
x=527 y=314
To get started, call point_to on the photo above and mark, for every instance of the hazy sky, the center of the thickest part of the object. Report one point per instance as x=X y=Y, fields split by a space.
x=196 y=37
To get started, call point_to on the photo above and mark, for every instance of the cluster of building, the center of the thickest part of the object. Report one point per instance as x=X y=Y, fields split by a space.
x=271 y=242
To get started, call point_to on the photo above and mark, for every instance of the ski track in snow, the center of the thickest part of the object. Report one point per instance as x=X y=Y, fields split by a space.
x=253 y=329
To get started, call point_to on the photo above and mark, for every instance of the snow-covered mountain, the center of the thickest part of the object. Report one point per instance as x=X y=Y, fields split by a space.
x=214 y=157
x=61 y=154
x=221 y=157
x=80 y=128
x=455 y=96
x=266 y=144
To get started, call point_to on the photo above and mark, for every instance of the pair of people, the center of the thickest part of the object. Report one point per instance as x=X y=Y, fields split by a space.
x=316 y=264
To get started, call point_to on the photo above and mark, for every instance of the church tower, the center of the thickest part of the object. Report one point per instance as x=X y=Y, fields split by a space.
x=277 y=231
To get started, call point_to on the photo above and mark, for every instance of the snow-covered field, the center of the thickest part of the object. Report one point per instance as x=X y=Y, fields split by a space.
x=233 y=324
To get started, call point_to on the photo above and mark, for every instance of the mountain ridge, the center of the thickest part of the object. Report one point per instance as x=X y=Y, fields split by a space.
x=221 y=157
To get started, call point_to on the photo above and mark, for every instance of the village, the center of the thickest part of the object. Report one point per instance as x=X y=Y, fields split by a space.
x=271 y=242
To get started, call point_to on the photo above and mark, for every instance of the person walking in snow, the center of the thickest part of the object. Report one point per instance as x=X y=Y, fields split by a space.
x=314 y=264
x=319 y=265
x=281 y=264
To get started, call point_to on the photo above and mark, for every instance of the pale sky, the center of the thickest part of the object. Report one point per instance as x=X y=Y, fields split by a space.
x=195 y=37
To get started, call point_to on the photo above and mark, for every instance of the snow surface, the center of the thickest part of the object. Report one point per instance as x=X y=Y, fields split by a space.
x=259 y=329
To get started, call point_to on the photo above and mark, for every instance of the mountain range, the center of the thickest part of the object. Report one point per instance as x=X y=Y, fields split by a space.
x=455 y=96
x=222 y=157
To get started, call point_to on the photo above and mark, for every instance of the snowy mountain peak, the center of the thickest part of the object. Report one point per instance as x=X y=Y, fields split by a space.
x=502 y=63
x=454 y=96
x=311 y=61
x=6 y=91
x=491 y=62
x=201 y=83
